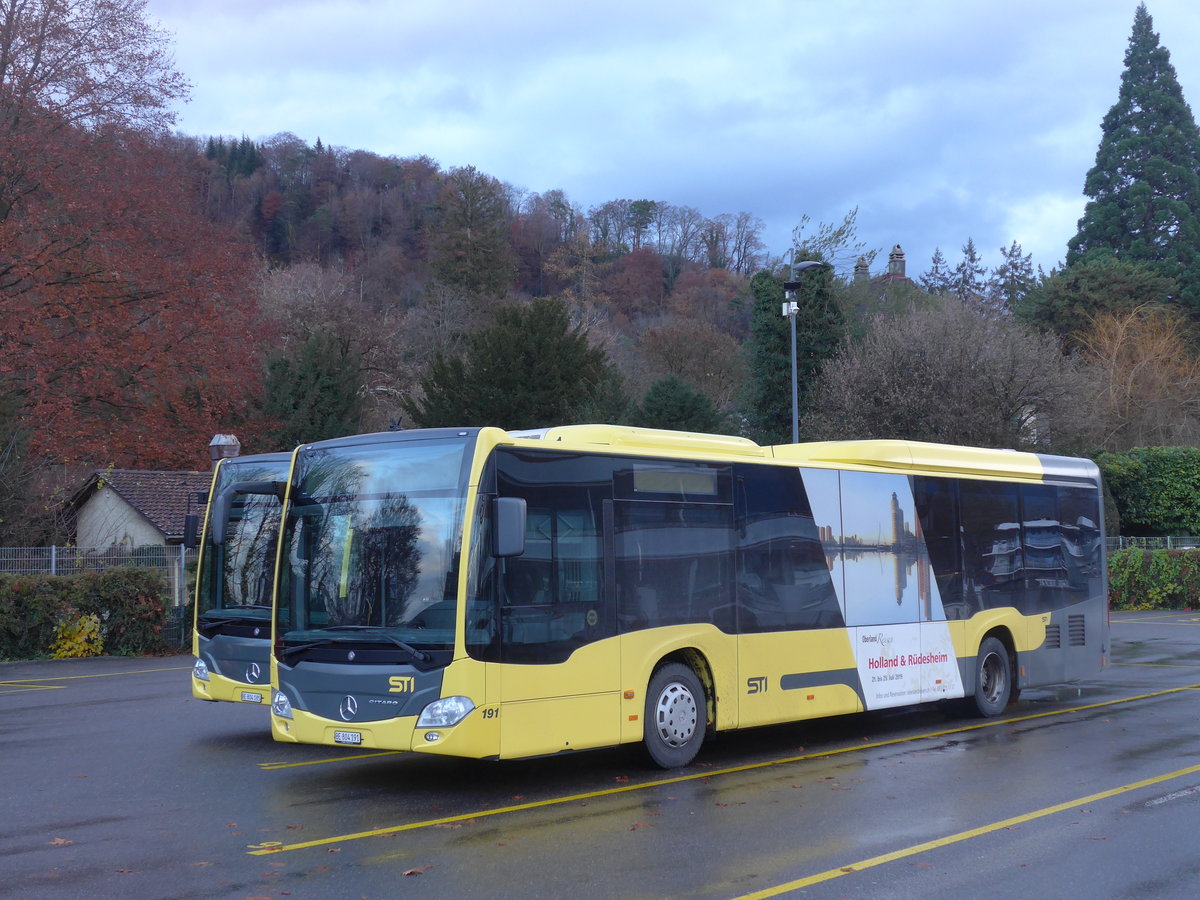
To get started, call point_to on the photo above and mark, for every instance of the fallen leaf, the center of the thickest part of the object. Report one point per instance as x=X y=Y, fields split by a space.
x=449 y=825
x=333 y=850
x=60 y=842
x=636 y=825
x=124 y=871
x=621 y=779
x=202 y=864
x=295 y=827
x=418 y=870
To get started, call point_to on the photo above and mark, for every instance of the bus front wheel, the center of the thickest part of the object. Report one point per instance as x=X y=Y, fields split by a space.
x=676 y=717
x=993 y=678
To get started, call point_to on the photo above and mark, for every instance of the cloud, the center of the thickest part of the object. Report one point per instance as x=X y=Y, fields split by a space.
x=939 y=120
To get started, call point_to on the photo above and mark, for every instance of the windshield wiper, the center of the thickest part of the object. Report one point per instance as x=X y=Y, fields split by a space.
x=419 y=655
x=288 y=652
x=209 y=624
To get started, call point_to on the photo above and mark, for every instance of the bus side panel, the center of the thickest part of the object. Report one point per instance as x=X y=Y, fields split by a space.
x=785 y=676
x=1074 y=647
x=551 y=707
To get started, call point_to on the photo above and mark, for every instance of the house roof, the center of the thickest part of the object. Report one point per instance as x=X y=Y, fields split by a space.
x=164 y=498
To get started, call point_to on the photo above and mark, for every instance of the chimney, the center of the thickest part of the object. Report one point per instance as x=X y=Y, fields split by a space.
x=862 y=271
x=223 y=446
x=896 y=262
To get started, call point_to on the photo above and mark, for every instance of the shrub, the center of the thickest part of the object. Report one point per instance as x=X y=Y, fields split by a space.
x=129 y=602
x=37 y=612
x=1153 y=579
x=31 y=606
x=77 y=636
x=1156 y=489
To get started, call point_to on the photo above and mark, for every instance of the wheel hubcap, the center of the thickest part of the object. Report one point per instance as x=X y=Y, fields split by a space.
x=676 y=715
x=993 y=678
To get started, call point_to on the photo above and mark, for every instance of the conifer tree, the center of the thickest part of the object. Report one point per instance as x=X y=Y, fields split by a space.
x=939 y=279
x=532 y=368
x=673 y=403
x=820 y=330
x=1145 y=184
x=313 y=392
x=1010 y=281
x=967 y=280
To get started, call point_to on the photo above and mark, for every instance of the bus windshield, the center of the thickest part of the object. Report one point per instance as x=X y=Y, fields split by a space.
x=372 y=540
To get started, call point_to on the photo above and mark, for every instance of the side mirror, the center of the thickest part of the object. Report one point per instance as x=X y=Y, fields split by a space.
x=219 y=516
x=191 y=531
x=508 y=526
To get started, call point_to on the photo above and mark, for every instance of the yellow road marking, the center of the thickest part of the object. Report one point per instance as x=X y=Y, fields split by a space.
x=1169 y=618
x=97 y=675
x=1155 y=666
x=20 y=687
x=276 y=847
x=830 y=874
x=322 y=762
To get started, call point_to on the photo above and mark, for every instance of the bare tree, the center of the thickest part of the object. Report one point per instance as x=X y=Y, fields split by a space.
x=1148 y=374
x=953 y=374
x=708 y=359
x=90 y=62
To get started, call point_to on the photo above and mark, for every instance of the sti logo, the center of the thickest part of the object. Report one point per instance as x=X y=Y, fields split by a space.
x=756 y=685
x=402 y=684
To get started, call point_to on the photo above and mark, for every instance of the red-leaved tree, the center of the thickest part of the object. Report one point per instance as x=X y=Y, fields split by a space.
x=127 y=327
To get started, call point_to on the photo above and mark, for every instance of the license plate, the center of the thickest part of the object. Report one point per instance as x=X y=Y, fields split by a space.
x=251 y=697
x=347 y=737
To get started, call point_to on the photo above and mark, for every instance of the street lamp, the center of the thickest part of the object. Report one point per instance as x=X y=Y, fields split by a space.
x=790 y=308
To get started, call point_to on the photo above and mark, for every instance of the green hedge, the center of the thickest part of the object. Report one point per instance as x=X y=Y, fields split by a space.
x=1154 y=579
x=1156 y=489
x=128 y=602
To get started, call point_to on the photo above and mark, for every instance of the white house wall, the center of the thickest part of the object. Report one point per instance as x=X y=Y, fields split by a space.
x=106 y=519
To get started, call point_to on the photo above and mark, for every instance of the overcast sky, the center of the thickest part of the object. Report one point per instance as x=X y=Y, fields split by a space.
x=939 y=119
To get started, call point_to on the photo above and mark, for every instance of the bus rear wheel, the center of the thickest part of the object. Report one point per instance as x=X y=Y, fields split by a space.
x=676 y=716
x=993 y=679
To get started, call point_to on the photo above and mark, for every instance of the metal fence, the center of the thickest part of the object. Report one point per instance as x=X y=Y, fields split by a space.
x=173 y=562
x=1152 y=543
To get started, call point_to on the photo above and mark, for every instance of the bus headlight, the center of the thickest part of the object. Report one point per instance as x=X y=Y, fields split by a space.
x=445 y=713
x=200 y=670
x=281 y=705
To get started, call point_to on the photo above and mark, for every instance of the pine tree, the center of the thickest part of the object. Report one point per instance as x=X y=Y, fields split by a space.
x=312 y=393
x=1145 y=184
x=531 y=368
x=1011 y=280
x=967 y=280
x=820 y=329
x=673 y=403
x=939 y=279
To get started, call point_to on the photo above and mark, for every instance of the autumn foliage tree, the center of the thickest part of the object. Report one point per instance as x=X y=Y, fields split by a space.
x=125 y=326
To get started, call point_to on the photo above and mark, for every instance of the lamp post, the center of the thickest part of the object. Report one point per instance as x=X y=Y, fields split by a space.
x=790 y=308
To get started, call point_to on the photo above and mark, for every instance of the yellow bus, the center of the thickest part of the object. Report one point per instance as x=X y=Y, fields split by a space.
x=488 y=594
x=231 y=633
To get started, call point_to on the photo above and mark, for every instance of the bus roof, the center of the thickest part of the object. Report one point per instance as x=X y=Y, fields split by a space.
x=867 y=455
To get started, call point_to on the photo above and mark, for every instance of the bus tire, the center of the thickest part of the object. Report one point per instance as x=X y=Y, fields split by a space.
x=993 y=679
x=676 y=716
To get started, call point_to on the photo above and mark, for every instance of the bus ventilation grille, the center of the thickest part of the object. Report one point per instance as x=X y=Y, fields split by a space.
x=1076 y=632
x=1053 y=637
